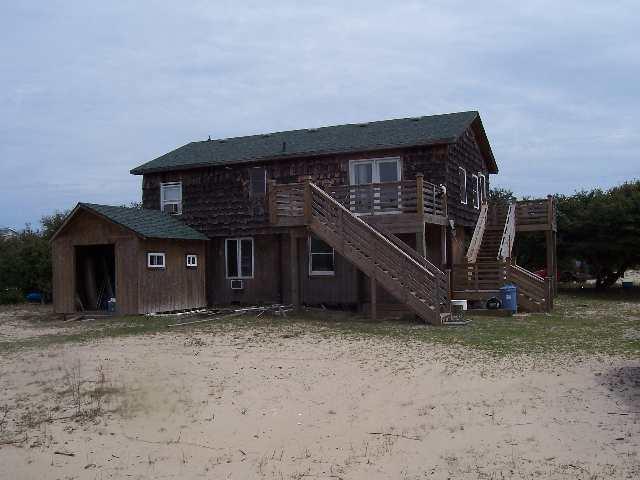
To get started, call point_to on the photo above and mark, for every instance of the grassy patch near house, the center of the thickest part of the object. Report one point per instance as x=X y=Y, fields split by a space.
x=584 y=321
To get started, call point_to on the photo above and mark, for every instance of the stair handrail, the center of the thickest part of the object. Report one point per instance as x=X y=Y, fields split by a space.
x=508 y=234
x=478 y=233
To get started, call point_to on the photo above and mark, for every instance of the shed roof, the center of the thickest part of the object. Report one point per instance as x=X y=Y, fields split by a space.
x=349 y=138
x=143 y=222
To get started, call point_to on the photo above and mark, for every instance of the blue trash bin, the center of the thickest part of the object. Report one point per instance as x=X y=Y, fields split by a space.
x=509 y=297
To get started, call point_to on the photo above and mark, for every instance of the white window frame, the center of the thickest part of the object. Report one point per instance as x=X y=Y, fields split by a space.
x=192 y=260
x=239 y=258
x=476 y=200
x=321 y=273
x=463 y=188
x=159 y=255
x=483 y=190
x=162 y=200
x=375 y=170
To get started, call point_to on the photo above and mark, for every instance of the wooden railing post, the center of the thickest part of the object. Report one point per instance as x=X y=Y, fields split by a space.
x=308 y=199
x=273 y=202
x=421 y=241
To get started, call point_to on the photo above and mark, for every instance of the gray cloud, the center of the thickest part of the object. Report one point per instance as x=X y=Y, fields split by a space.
x=89 y=91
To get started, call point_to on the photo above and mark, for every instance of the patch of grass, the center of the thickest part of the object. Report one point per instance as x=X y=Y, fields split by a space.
x=582 y=322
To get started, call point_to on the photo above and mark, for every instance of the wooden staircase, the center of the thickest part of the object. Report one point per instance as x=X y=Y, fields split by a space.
x=415 y=282
x=398 y=268
x=490 y=265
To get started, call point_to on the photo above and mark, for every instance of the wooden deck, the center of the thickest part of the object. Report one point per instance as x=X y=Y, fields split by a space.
x=400 y=207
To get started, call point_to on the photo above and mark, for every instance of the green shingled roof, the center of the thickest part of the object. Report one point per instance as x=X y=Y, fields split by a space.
x=361 y=137
x=146 y=223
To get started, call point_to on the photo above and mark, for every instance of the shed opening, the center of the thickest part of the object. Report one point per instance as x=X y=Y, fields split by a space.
x=95 y=276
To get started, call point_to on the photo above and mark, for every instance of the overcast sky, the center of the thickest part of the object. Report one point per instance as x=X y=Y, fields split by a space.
x=89 y=90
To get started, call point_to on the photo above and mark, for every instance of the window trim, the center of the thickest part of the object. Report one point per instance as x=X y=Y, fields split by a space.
x=476 y=199
x=162 y=255
x=193 y=256
x=463 y=200
x=239 y=258
x=321 y=273
x=163 y=185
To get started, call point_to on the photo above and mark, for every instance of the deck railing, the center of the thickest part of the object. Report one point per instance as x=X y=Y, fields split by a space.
x=477 y=277
x=531 y=214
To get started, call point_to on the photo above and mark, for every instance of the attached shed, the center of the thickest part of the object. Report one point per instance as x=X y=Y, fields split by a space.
x=148 y=261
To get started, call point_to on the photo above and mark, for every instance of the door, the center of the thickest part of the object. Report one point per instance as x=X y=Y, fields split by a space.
x=375 y=185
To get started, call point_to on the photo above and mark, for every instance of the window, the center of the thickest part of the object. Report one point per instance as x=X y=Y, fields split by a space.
x=155 y=260
x=257 y=181
x=239 y=257
x=375 y=170
x=321 y=257
x=192 y=260
x=171 y=198
x=483 y=188
x=462 y=175
x=475 y=191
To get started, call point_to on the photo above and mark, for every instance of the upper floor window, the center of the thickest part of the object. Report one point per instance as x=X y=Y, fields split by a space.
x=171 y=198
x=483 y=188
x=239 y=257
x=321 y=257
x=475 y=191
x=462 y=179
x=257 y=181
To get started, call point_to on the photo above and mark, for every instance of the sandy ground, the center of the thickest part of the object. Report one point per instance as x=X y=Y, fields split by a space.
x=296 y=405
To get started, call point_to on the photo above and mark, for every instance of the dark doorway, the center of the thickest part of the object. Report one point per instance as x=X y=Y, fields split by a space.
x=95 y=277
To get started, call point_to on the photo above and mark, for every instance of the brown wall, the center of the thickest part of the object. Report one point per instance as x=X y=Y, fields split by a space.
x=89 y=229
x=264 y=287
x=138 y=290
x=175 y=287
x=216 y=200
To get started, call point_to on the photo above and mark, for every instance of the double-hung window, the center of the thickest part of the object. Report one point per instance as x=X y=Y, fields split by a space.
x=385 y=175
x=462 y=180
x=239 y=257
x=475 y=191
x=171 y=198
x=321 y=257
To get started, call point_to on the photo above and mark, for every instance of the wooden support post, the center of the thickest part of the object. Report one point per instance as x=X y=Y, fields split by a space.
x=294 y=271
x=374 y=296
x=421 y=246
x=551 y=268
x=443 y=244
x=307 y=209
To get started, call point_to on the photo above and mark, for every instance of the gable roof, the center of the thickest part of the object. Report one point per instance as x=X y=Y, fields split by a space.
x=143 y=222
x=350 y=138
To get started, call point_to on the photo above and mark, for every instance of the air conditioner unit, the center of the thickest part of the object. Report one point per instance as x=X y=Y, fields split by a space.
x=237 y=285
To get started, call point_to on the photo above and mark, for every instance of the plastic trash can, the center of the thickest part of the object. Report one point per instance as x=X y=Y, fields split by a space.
x=111 y=305
x=509 y=297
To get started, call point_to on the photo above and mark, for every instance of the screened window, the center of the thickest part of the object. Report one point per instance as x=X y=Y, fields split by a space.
x=475 y=191
x=462 y=174
x=192 y=261
x=257 y=181
x=155 y=260
x=171 y=198
x=239 y=257
x=321 y=257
